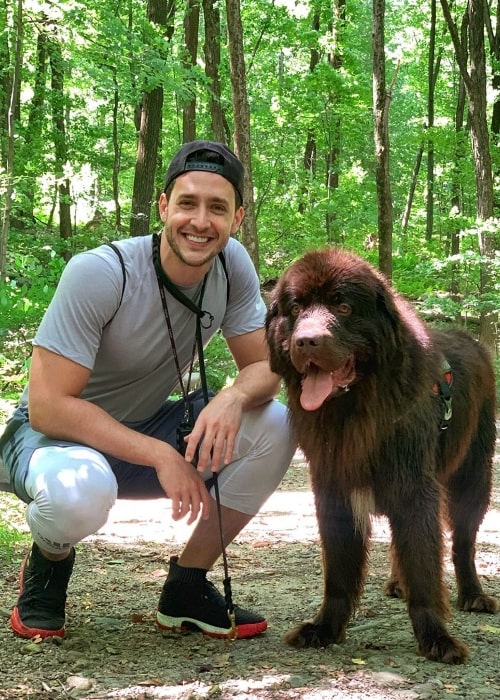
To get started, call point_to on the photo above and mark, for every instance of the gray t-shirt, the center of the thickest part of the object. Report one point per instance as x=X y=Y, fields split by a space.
x=130 y=357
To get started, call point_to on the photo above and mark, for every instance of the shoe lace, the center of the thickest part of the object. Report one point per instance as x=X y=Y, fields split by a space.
x=45 y=586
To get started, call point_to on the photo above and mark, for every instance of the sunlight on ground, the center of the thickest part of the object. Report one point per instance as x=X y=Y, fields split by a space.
x=287 y=516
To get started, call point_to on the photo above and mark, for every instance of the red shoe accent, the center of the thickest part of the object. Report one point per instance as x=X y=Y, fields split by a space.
x=242 y=631
x=29 y=632
x=17 y=624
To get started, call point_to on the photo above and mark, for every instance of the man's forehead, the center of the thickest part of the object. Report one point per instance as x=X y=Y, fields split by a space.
x=203 y=185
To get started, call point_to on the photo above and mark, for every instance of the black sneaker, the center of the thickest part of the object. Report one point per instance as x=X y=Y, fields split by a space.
x=189 y=601
x=40 y=606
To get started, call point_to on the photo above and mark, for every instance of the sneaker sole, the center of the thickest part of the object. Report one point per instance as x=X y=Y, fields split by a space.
x=20 y=628
x=184 y=624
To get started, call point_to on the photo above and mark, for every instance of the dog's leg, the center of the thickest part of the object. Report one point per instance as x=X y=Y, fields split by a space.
x=344 y=564
x=417 y=538
x=395 y=586
x=469 y=495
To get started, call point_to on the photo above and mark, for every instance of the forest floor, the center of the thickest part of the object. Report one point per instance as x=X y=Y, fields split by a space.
x=114 y=651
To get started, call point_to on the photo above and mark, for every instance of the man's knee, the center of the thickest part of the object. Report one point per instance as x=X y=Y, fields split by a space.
x=73 y=490
x=268 y=429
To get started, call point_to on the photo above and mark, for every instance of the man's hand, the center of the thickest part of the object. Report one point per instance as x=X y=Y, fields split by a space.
x=215 y=430
x=185 y=488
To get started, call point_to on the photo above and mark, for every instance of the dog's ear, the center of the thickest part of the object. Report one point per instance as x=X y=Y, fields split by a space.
x=387 y=308
x=277 y=339
x=404 y=327
x=272 y=312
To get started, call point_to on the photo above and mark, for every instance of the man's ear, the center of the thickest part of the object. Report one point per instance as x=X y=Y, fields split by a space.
x=238 y=218
x=163 y=206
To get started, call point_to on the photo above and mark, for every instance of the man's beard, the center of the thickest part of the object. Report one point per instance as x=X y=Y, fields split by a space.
x=178 y=253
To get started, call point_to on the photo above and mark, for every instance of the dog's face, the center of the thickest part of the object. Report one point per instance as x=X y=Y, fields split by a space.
x=330 y=322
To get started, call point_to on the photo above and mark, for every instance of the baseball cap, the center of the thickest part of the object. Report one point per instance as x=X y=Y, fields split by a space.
x=193 y=156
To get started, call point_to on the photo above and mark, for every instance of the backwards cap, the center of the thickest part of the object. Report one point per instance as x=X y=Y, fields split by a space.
x=193 y=156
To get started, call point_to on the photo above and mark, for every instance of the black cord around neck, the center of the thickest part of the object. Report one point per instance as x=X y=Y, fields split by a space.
x=205 y=317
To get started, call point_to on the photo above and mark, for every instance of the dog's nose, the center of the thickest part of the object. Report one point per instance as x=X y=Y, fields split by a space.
x=305 y=341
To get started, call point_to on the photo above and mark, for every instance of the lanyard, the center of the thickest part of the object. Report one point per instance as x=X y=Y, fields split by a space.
x=204 y=319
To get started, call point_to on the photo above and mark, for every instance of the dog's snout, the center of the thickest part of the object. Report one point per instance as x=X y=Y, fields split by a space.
x=310 y=334
x=306 y=341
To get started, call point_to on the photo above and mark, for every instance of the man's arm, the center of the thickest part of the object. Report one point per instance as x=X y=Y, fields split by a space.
x=220 y=421
x=56 y=409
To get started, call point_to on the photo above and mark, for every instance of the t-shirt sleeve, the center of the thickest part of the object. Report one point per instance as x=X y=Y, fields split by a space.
x=246 y=311
x=86 y=298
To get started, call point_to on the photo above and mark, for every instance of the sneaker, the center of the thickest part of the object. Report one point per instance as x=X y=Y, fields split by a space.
x=189 y=601
x=40 y=606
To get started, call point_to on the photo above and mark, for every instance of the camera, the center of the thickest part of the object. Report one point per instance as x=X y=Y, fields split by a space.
x=183 y=430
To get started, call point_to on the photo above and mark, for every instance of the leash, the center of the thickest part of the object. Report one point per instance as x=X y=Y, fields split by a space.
x=202 y=317
x=442 y=387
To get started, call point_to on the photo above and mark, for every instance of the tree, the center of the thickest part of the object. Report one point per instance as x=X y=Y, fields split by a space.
x=61 y=151
x=191 y=27
x=11 y=133
x=218 y=123
x=381 y=102
x=34 y=129
x=475 y=85
x=241 y=112
x=431 y=81
x=334 y=136
x=149 y=138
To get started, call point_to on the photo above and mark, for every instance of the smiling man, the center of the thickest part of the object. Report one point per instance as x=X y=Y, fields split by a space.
x=95 y=422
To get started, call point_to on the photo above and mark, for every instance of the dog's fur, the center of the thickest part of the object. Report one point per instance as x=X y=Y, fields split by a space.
x=361 y=371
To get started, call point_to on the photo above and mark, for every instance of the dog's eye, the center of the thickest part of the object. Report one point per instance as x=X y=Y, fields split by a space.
x=294 y=310
x=344 y=309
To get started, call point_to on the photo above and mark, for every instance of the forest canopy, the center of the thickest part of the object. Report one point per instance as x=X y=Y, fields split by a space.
x=95 y=98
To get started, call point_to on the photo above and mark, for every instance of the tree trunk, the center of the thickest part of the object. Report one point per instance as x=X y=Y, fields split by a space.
x=381 y=102
x=191 y=25
x=147 y=147
x=116 y=153
x=310 y=149
x=411 y=190
x=9 y=162
x=35 y=120
x=430 y=124
x=494 y=38
x=218 y=123
x=6 y=85
x=334 y=136
x=241 y=112
x=60 y=140
x=456 y=185
x=475 y=85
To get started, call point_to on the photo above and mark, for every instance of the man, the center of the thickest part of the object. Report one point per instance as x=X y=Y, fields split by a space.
x=94 y=422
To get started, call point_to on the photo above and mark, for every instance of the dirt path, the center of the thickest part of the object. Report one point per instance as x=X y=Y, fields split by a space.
x=113 y=649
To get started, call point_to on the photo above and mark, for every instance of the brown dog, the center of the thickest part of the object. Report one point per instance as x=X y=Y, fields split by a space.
x=367 y=385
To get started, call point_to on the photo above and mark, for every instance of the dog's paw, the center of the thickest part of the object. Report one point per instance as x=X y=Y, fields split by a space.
x=447 y=650
x=393 y=589
x=309 y=634
x=481 y=603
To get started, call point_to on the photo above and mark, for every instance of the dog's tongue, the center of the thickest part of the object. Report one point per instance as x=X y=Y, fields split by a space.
x=317 y=386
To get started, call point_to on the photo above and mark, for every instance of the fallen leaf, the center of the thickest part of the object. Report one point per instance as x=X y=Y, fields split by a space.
x=221 y=660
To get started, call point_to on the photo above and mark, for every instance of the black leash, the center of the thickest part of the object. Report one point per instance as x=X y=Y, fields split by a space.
x=202 y=317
